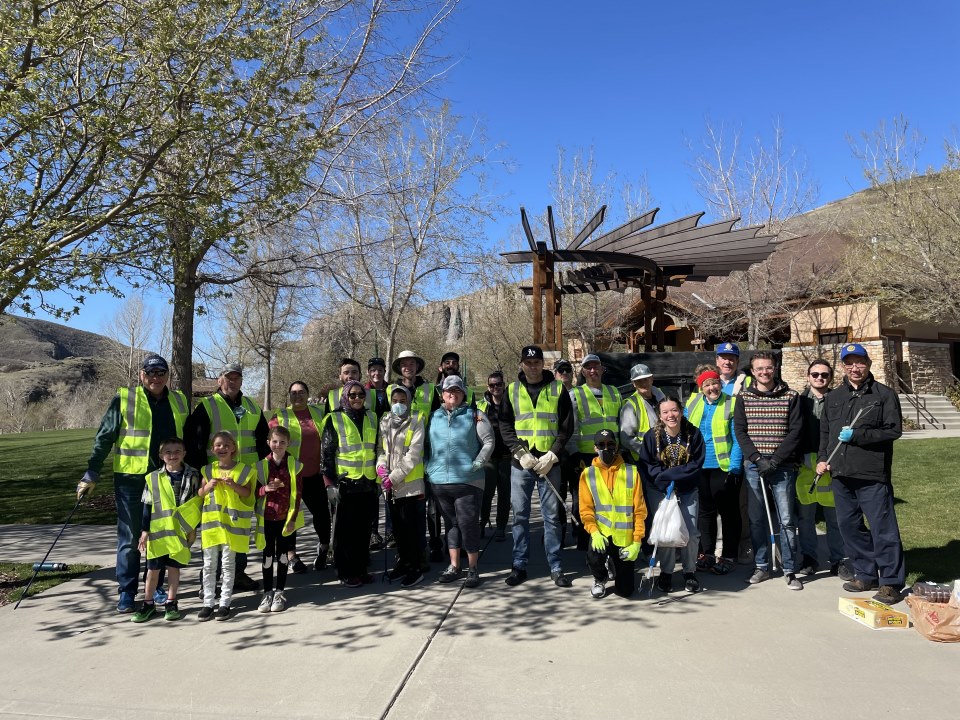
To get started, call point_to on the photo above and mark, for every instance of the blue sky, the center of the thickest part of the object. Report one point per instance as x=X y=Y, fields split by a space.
x=634 y=79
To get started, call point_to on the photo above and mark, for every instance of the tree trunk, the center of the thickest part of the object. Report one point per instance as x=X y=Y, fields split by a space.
x=185 y=288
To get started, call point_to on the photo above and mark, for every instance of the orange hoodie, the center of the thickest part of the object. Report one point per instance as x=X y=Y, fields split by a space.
x=588 y=515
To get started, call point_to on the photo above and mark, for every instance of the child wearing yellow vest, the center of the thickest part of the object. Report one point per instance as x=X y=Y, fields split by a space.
x=225 y=521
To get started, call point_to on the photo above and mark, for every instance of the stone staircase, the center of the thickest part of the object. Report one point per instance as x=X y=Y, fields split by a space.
x=943 y=411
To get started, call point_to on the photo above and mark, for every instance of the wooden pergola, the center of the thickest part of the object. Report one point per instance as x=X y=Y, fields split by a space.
x=636 y=254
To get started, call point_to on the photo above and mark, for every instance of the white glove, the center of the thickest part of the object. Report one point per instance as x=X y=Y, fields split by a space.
x=476 y=465
x=545 y=464
x=333 y=495
x=527 y=461
x=86 y=485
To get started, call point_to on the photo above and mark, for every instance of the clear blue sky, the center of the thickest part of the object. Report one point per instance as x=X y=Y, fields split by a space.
x=634 y=79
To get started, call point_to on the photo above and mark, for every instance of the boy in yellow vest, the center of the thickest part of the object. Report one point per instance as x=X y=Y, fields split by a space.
x=168 y=528
x=613 y=513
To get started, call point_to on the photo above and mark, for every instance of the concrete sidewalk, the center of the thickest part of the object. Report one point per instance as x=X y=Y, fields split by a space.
x=536 y=651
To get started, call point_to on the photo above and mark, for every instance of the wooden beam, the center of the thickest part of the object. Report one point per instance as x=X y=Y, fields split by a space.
x=553 y=229
x=588 y=229
x=550 y=285
x=647 y=317
x=661 y=301
x=539 y=271
x=526 y=229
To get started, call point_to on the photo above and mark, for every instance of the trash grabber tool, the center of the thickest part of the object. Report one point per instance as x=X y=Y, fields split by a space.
x=69 y=517
x=816 y=478
x=773 y=538
x=560 y=500
x=387 y=497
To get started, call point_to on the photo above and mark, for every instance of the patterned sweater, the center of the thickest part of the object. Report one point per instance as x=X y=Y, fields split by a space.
x=769 y=424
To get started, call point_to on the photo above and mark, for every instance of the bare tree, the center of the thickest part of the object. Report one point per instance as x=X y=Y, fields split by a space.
x=132 y=329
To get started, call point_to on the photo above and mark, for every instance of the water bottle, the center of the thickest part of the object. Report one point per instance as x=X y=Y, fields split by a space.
x=50 y=566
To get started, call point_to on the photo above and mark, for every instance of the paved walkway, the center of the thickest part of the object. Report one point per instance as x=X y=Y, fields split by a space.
x=442 y=651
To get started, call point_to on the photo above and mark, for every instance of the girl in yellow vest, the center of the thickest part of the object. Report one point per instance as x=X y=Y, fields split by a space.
x=225 y=521
x=278 y=513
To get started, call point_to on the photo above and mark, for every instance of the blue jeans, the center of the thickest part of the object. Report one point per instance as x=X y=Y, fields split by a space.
x=521 y=498
x=782 y=484
x=690 y=510
x=808 y=531
x=127 y=491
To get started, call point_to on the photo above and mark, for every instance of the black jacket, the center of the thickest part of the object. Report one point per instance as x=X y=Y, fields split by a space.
x=869 y=453
x=687 y=476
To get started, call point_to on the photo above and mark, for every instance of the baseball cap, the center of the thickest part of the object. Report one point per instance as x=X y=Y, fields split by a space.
x=639 y=372
x=531 y=352
x=563 y=366
x=604 y=436
x=155 y=362
x=231 y=368
x=728 y=348
x=449 y=355
x=453 y=382
x=374 y=361
x=591 y=358
x=853 y=349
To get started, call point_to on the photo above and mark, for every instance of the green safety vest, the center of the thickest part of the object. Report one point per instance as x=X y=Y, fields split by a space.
x=288 y=418
x=595 y=416
x=823 y=494
x=614 y=512
x=537 y=426
x=294 y=467
x=721 y=426
x=132 y=449
x=356 y=455
x=483 y=406
x=225 y=517
x=168 y=529
x=417 y=472
x=422 y=399
x=222 y=418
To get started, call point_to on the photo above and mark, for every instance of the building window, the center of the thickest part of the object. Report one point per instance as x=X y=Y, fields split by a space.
x=833 y=338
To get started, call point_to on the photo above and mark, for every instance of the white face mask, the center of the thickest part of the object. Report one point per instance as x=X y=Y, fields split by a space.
x=399 y=409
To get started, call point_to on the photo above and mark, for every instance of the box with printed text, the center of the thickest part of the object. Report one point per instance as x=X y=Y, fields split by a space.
x=874 y=614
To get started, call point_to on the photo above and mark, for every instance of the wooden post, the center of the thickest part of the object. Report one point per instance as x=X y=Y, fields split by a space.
x=647 y=315
x=539 y=271
x=550 y=285
x=660 y=303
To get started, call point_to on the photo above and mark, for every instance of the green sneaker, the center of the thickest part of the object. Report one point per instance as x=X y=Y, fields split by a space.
x=172 y=611
x=146 y=611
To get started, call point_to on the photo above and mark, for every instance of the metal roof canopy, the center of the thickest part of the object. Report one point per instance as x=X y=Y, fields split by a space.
x=633 y=255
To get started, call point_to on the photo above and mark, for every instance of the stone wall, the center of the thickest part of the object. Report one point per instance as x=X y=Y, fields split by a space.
x=922 y=365
x=796 y=359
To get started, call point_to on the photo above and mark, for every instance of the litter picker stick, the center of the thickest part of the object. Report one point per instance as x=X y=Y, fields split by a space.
x=560 y=500
x=816 y=479
x=37 y=567
x=773 y=539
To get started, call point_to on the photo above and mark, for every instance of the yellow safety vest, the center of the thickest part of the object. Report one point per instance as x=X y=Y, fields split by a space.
x=222 y=418
x=823 y=494
x=640 y=408
x=537 y=426
x=614 y=512
x=356 y=455
x=595 y=416
x=168 y=529
x=226 y=518
x=288 y=418
x=132 y=449
x=721 y=425
x=417 y=472
x=294 y=467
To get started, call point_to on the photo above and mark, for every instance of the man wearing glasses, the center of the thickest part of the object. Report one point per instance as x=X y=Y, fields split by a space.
x=497 y=469
x=136 y=422
x=860 y=470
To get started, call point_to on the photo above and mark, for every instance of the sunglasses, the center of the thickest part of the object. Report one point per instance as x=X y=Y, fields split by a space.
x=820 y=376
x=495 y=385
x=354 y=395
x=607 y=446
x=155 y=373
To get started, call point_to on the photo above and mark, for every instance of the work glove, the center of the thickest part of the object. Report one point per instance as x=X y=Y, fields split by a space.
x=476 y=465
x=598 y=542
x=846 y=432
x=631 y=552
x=765 y=467
x=382 y=471
x=732 y=479
x=527 y=461
x=86 y=485
x=387 y=483
x=333 y=495
x=545 y=463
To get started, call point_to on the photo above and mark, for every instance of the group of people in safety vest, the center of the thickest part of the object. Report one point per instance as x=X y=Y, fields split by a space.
x=436 y=455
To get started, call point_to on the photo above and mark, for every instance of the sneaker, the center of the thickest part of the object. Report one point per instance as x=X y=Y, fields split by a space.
x=449 y=575
x=888 y=595
x=125 y=604
x=279 y=602
x=559 y=579
x=398 y=572
x=160 y=596
x=473 y=578
x=206 y=613
x=723 y=566
x=245 y=583
x=793 y=582
x=705 y=562
x=223 y=612
x=759 y=575
x=516 y=576
x=690 y=583
x=844 y=572
x=499 y=535
x=808 y=566
x=598 y=590
x=665 y=582
x=412 y=578
x=389 y=541
x=266 y=602
x=858 y=586
x=146 y=611
x=297 y=567
x=376 y=541
x=172 y=611
x=351 y=582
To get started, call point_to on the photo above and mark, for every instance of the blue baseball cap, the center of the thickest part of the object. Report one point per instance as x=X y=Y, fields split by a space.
x=853 y=349
x=728 y=348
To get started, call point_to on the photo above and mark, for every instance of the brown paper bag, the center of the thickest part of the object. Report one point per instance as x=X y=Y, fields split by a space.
x=939 y=622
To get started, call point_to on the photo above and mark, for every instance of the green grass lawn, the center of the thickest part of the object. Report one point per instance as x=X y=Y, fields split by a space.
x=39 y=473
x=15 y=576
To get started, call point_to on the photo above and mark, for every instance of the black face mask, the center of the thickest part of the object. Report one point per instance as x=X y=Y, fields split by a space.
x=608 y=455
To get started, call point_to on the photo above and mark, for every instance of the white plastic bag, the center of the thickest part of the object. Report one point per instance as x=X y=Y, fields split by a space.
x=669 y=529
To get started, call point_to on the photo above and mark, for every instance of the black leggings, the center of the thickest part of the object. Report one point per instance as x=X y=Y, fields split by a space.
x=315 y=498
x=275 y=553
x=719 y=494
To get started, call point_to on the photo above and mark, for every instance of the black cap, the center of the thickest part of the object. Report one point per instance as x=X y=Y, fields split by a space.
x=376 y=361
x=155 y=362
x=531 y=352
x=451 y=355
x=604 y=436
x=563 y=365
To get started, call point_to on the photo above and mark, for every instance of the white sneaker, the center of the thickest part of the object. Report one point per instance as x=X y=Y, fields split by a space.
x=598 y=590
x=279 y=602
x=266 y=602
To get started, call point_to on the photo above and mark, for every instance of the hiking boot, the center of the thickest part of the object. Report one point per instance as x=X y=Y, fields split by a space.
x=266 y=602
x=376 y=541
x=297 y=567
x=206 y=613
x=223 y=612
x=598 y=590
x=808 y=566
x=759 y=575
x=125 y=604
x=172 y=611
x=793 y=582
x=888 y=595
x=160 y=596
x=843 y=571
x=449 y=575
x=856 y=585
x=559 y=579
x=499 y=535
x=146 y=611
x=665 y=582
x=690 y=583
x=414 y=577
x=244 y=583
x=279 y=602
x=473 y=578
x=516 y=576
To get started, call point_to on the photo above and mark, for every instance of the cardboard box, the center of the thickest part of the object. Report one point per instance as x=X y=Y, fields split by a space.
x=874 y=614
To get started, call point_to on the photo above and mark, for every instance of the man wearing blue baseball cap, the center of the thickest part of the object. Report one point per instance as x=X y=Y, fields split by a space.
x=728 y=359
x=863 y=416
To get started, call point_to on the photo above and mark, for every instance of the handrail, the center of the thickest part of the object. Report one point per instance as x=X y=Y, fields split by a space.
x=919 y=404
